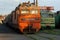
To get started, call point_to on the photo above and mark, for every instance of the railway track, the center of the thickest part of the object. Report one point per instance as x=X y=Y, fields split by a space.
x=54 y=31
x=40 y=36
x=45 y=35
x=37 y=36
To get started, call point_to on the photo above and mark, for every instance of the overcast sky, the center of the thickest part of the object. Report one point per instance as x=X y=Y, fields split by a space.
x=6 y=6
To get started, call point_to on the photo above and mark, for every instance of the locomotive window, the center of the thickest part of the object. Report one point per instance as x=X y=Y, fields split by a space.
x=47 y=15
x=34 y=11
x=24 y=11
x=44 y=15
x=50 y=15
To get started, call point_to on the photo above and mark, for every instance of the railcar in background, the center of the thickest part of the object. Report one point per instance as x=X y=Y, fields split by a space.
x=57 y=20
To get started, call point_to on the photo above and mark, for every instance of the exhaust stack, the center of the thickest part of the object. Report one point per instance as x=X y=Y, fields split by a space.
x=36 y=3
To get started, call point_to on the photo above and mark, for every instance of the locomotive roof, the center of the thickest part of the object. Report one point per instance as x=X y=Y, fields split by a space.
x=27 y=5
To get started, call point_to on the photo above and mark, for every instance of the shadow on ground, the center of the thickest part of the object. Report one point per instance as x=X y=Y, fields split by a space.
x=6 y=29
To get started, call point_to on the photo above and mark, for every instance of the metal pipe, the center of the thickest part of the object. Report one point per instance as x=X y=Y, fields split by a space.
x=36 y=2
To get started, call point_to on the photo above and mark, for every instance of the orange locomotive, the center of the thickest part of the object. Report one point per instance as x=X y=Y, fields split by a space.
x=27 y=17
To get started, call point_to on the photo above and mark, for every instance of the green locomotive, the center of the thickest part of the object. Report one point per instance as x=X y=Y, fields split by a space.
x=47 y=19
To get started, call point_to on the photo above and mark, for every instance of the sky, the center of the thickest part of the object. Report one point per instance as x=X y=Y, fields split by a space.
x=6 y=6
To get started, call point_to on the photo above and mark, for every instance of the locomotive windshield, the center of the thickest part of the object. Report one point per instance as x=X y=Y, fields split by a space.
x=34 y=11
x=24 y=11
x=27 y=12
x=46 y=14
